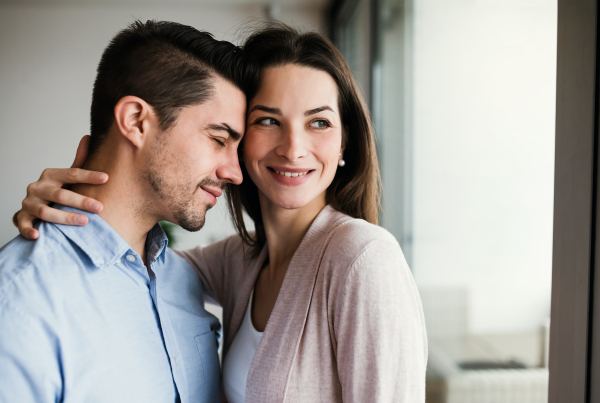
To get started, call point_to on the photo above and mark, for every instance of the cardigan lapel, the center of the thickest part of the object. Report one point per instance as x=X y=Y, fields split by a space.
x=272 y=363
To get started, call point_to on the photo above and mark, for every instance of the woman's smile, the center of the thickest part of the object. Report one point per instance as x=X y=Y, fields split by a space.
x=290 y=176
x=293 y=142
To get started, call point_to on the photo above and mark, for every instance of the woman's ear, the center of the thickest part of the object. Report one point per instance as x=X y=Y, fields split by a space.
x=134 y=117
x=345 y=132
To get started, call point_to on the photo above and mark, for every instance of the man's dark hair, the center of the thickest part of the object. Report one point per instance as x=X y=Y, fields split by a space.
x=168 y=65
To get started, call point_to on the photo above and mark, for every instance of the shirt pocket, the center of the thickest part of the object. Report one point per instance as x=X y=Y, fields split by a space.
x=207 y=347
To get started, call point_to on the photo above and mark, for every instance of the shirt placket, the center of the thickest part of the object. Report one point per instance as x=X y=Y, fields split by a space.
x=175 y=359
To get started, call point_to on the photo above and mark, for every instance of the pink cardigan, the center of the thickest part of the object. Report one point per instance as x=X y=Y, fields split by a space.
x=347 y=325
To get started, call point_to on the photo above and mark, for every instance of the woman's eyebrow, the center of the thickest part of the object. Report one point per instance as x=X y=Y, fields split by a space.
x=263 y=108
x=317 y=110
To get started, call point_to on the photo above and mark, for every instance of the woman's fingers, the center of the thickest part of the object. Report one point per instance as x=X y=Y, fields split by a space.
x=25 y=225
x=82 y=152
x=41 y=194
x=60 y=176
x=50 y=214
x=36 y=207
x=25 y=221
x=49 y=188
x=69 y=198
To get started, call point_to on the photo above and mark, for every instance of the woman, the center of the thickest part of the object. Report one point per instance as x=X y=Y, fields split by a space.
x=318 y=303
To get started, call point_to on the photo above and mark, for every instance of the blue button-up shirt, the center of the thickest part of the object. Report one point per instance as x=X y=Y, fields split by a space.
x=82 y=319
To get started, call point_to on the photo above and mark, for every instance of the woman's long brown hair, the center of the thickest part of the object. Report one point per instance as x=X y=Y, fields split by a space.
x=356 y=187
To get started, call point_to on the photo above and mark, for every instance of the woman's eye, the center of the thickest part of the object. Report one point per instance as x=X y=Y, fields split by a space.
x=220 y=142
x=267 y=122
x=320 y=124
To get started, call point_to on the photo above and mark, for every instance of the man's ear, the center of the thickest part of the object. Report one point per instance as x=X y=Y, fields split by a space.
x=134 y=117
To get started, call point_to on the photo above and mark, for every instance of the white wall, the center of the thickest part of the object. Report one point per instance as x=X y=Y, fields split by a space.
x=484 y=76
x=48 y=58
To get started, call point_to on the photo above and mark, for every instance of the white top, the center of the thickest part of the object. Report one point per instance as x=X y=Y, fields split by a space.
x=239 y=357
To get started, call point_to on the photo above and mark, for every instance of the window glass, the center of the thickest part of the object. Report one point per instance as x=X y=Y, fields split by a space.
x=355 y=44
x=463 y=99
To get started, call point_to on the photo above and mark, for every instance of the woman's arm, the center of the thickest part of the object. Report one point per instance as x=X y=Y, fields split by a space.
x=380 y=329
x=50 y=189
x=208 y=262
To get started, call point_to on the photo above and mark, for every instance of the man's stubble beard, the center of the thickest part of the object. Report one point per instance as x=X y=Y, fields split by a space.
x=179 y=197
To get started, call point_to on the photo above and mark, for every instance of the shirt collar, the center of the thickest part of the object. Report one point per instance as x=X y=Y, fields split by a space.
x=156 y=244
x=103 y=245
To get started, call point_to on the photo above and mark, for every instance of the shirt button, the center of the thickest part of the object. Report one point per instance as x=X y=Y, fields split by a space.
x=118 y=261
x=131 y=258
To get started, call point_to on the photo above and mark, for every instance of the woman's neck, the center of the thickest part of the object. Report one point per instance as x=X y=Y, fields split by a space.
x=285 y=229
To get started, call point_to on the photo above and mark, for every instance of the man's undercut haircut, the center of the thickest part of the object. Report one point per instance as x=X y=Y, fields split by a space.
x=169 y=65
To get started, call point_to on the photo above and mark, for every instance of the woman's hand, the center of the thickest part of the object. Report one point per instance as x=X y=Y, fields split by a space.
x=49 y=189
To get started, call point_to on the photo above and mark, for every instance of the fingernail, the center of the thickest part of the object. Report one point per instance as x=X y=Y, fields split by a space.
x=96 y=206
x=102 y=177
x=81 y=220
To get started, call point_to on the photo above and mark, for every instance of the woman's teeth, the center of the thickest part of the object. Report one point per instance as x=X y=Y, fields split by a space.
x=291 y=174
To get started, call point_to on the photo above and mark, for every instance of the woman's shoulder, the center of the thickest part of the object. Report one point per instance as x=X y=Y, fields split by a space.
x=354 y=235
x=364 y=260
x=353 y=244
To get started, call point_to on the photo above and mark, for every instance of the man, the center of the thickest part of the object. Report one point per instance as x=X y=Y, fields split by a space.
x=106 y=312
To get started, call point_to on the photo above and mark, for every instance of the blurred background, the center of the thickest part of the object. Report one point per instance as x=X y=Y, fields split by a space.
x=462 y=93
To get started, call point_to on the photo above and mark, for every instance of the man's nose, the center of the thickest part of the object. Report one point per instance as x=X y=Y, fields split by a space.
x=230 y=171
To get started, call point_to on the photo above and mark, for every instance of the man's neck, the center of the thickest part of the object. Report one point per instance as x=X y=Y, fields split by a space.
x=125 y=208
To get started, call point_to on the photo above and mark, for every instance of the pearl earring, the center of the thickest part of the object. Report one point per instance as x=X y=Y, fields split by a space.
x=341 y=162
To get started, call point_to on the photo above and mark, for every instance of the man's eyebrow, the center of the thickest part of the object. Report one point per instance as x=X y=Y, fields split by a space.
x=263 y=108
x=226 y=128
x=317 y=110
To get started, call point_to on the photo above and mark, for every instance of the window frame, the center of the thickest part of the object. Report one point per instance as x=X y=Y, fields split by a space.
x=573 y=341
x=574 y=358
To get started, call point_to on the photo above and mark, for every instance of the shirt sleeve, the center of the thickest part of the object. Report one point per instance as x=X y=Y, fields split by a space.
x=380 y=329
x=209 y=262
x=29 y=363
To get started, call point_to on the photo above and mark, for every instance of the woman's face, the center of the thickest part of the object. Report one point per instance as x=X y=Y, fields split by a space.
x=293 y=136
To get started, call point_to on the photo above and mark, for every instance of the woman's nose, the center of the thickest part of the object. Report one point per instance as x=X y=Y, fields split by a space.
x=293 y=143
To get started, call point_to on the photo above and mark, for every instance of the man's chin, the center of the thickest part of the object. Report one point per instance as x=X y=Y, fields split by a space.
x=194 y=220
x=193 y=228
